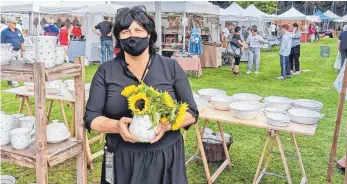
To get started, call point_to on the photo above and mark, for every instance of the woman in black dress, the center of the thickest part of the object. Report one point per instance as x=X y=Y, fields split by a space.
x=127 y=161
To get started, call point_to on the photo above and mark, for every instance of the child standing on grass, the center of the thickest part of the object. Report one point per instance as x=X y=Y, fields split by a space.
x=285 y=48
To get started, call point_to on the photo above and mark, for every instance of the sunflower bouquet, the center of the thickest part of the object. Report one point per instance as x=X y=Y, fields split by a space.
x=159 y=106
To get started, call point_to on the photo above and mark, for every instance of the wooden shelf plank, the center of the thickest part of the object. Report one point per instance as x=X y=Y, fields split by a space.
x=19 y=71
x=56 y=153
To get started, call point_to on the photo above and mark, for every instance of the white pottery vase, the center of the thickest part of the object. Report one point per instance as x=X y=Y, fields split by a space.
x=6 y=125
x=45 y=50
x=6 y=54
x=60 y=55
x=141 y=127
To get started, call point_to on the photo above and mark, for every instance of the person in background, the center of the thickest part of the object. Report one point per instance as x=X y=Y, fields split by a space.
x=342 y=44
x=316 y=33
x=64 y=37
x=3 y=25
x=273 y=29
x=225 y=35
x=51 y=29
x=13 y=36
x=295 y=51
x=254 y=41
x=77 y=31
x=239 y=40
x=105 y=34
x=310 y=33
x=285 y=48
x=247 y=33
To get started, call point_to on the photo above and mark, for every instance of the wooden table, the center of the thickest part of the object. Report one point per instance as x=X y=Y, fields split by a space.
x=23 y=93
x=190 y=64
x=259 y=122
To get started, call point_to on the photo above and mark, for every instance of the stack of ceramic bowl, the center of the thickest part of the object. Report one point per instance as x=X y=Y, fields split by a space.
x=208 y=93
x=57 y=132
x=221 y=102
x=281 y=103
x=6 y=54
x=45 y=50
x=308 y=104
x=245 y=110
x=304 y=116
x=240 y=97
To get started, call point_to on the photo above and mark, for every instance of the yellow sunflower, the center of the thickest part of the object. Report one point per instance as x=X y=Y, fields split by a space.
x=168 y=100
x=164 y=119
x=180 y=116
x=129 y=90
x=154 y=91
x=139 y=104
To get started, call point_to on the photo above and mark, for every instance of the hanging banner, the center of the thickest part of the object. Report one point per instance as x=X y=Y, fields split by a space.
x=339 y=80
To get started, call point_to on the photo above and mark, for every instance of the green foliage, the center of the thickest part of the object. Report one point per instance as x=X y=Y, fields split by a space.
x=268 y=7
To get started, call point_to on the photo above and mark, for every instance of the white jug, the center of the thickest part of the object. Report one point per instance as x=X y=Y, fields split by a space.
x=27 y=122
x=21 y=138
x=6 y=54
x=6 y=125
x=141 y=127
x=16 y=122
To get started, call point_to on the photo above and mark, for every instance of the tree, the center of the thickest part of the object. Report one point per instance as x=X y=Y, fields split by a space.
x=265 y=6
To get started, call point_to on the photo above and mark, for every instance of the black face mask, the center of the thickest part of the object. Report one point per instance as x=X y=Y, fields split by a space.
x=134 y=46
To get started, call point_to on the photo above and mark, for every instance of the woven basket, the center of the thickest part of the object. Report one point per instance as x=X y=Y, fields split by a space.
x=215 y=152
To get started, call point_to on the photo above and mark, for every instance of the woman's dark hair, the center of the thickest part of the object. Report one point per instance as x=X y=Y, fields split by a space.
x=62 y=24
x=237 y=29
x=254 y=30
x=126 y=17
x=296 y=25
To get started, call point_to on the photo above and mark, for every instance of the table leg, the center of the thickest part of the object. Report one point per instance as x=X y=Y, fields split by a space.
x=27 y=103
x=184 y=136
x=72 y=127
x=283 y=156
x=50 y=109
x=63 y=112
x=21 y=104
x=197 y=153
x=266 y=162
x=89 y=153
x=226 y=151
x=304 y=178
x=261 y=159
x=202 y=152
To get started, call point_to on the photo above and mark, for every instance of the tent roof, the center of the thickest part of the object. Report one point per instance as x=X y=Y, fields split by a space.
x=202 y=7
x=313 y=18
x=321 y=15
x=255 y=11
x=235 y=9
x=99 y=9
x=292 y=14
x=331 y=15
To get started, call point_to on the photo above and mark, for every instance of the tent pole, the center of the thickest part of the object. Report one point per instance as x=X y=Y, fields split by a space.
x=158 y=25
x=184 y=33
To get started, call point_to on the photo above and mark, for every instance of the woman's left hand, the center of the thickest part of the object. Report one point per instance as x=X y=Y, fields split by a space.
x=162 y=128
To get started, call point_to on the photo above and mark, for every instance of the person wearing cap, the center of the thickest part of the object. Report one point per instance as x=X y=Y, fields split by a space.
x=51 y=29
x=13 y=36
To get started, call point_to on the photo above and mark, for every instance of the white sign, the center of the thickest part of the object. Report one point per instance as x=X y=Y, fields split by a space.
x=339 y=80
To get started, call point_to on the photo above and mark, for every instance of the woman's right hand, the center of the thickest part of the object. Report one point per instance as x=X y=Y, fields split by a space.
x=123 y=130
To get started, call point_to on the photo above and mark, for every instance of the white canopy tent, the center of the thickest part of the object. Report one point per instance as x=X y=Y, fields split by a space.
x=331 y=15
x=313 y=18
x=236 y=12
x=292 y=14
x=342 y=19
x=263 y=17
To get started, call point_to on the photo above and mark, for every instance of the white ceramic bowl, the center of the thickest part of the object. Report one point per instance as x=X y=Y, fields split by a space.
x=304 y=116
x=7 y=179
x=278 y=119
x=222 y=102
x=245 y=110
x=201 y=103
x=308 y=104
x=29 y=86
x=71 y=89
x=273 y=110
x=278 y=102
x=208 y=93
x=247 y=97
x=57 y=132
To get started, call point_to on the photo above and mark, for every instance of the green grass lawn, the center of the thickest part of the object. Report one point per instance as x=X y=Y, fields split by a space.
x=248 y=141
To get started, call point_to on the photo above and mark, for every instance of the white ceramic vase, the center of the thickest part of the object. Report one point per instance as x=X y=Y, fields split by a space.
x=6 y=54
x=6 y=125
x=16 y=122
x=141 y=127
x=45 y=50
x=27 y=122
x=60 y=55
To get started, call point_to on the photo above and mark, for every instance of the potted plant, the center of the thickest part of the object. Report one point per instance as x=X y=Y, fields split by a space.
x=150 y=107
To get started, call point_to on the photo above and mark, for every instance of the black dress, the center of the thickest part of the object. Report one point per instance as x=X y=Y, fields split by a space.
x=141 y=163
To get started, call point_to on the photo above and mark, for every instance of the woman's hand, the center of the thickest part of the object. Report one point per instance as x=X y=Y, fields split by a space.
x=122 y=126
x=162 y=128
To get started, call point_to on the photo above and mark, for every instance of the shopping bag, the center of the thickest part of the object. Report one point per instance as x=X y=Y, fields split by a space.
x=339 y=80
x=337 y=65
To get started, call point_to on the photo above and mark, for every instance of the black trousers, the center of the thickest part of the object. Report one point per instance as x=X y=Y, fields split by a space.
x=316 y=35
x=294 y=58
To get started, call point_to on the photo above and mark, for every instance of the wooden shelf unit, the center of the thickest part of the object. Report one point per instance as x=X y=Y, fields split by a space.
x=40 y=154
